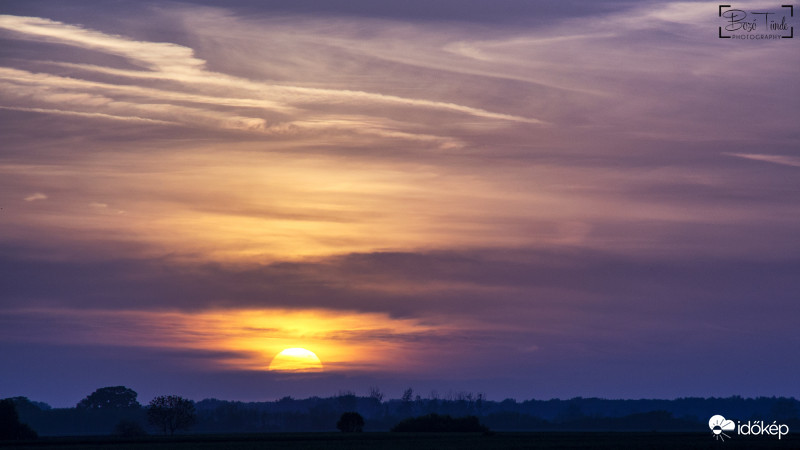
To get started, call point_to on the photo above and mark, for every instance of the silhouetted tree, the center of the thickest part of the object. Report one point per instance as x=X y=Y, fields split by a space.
x=170 y=413
x=25 y=405
x=408 y=395
x=112 y=397
x=407 y=402
x=11 y=428
x=350 y=422
x=376 y=408
x=375 y=394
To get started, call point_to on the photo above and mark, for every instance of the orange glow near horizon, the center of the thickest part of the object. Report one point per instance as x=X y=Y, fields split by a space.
x=249 y=340
x=345 y=341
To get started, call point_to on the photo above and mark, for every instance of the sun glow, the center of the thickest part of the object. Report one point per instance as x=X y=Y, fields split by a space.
x=296 y=360
x=259 y=340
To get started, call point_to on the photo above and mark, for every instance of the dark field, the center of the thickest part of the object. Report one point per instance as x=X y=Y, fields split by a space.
x=414 y=441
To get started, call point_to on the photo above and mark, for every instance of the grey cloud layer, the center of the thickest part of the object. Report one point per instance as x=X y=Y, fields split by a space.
x=567 y=310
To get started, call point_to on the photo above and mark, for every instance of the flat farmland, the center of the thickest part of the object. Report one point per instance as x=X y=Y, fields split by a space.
x=414 y=441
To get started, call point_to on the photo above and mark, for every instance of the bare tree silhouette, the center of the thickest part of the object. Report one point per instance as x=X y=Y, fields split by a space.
x=170 y=413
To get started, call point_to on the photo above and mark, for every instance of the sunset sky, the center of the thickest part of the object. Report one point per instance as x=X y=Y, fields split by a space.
x=529 y=199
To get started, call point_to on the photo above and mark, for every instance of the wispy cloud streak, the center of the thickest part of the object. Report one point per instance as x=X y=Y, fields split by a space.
x=784 y=160
x=261 y=107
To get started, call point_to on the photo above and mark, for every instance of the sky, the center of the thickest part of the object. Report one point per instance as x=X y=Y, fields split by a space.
x=527 y=199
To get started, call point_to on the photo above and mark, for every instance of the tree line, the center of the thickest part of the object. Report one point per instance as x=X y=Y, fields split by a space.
x=108 y=410
x=116 y=410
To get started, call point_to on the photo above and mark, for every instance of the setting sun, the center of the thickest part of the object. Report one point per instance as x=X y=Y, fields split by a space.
x=296 y=360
